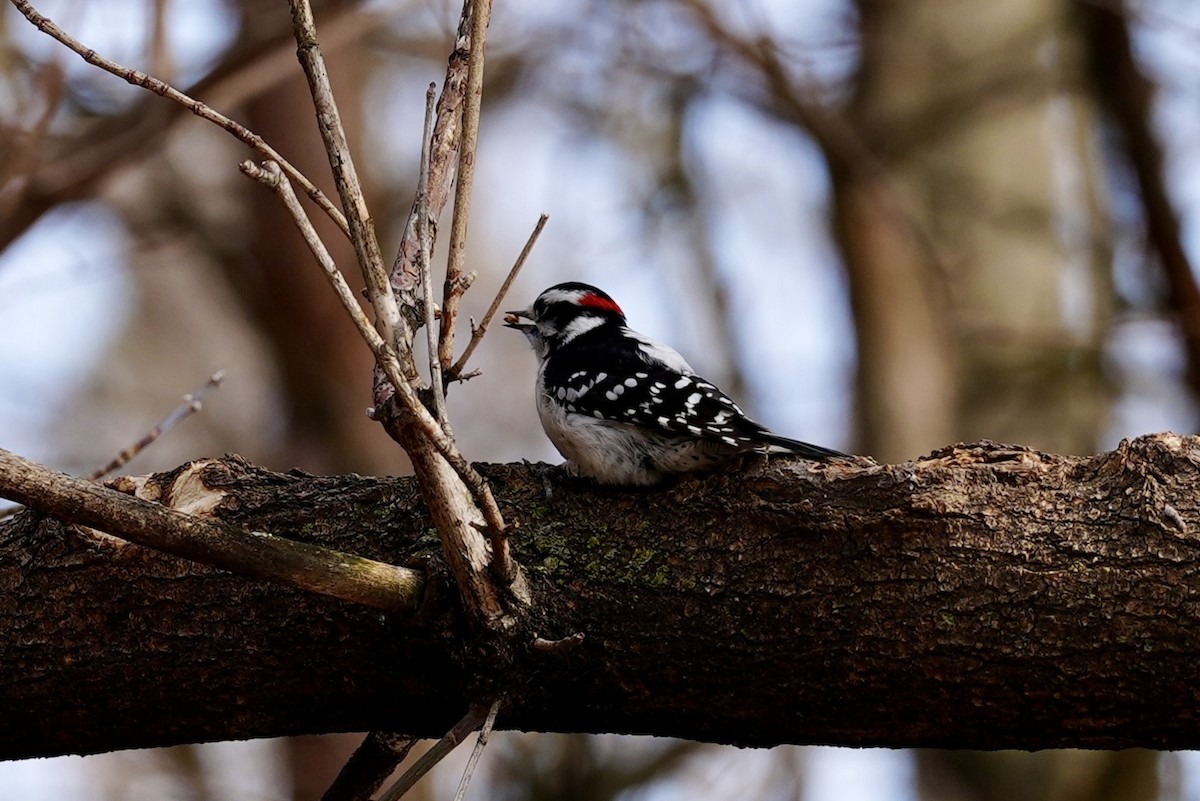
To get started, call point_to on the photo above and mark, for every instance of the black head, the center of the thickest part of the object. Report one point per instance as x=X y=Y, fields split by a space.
x=563 y=312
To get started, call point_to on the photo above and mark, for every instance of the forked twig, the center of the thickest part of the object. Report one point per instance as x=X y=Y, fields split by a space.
x=192 y=403
x=391 y=331
x=386 y=358
x=393 y=328
x=162 y=88
x=455 y=373
x=436 y=754
x=480 y=743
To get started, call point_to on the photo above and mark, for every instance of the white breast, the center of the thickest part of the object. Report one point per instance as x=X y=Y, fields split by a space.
x=611 y=453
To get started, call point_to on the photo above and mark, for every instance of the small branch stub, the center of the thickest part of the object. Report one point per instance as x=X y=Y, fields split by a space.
x=558 y=646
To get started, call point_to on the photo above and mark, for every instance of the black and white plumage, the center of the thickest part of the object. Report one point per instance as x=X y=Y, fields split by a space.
x=625 y=409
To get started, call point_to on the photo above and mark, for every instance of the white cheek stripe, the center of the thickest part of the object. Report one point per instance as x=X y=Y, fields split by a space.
x=580 y=325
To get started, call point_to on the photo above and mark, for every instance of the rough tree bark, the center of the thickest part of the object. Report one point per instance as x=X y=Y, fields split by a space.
x=986 y=596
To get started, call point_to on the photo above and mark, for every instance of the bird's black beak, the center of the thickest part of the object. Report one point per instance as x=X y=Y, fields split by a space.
x=512 y=319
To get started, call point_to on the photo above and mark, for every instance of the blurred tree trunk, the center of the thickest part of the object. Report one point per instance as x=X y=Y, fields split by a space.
x=979 y=244
x=979 y=261
x=325 y=370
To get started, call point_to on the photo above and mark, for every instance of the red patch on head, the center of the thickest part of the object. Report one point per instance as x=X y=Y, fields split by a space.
x=600 y=302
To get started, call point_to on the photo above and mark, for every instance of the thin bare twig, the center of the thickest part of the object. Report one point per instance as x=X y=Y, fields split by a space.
x=425 y=237
x=480 y=743
x=436 y=754
x=456 y=283
x=192 y=403
x=159 y=87
x=329 y=121
x=455 y=373
x=270 y=175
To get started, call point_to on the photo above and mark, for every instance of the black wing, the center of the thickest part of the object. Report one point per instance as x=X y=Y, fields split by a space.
x=627 y=384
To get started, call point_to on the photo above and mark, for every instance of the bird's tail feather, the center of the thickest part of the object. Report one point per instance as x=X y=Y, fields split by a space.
x=804 y=449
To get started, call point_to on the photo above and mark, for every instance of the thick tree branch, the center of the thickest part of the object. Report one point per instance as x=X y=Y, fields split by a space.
x=986 y=596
